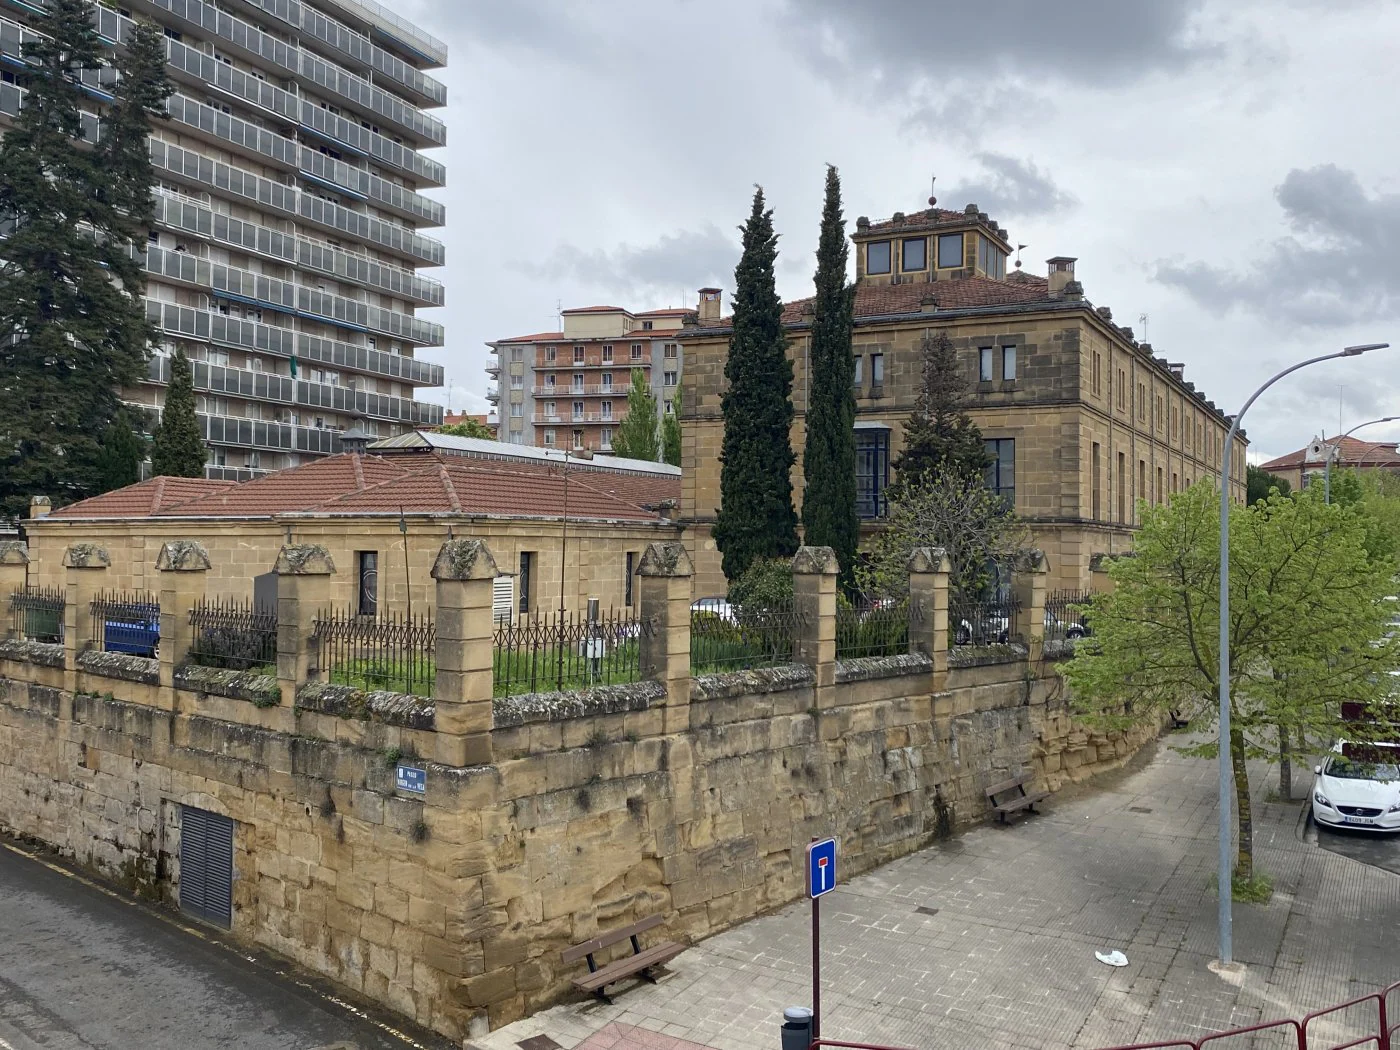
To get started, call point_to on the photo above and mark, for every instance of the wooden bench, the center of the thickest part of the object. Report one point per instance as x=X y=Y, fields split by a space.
x=638 y=964
x=1020 y=800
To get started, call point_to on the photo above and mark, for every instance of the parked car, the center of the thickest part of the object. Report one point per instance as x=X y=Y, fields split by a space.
x=133 y=636
x=716 y=607
x=987 y=631
x=1072 y=628
x=1358 y=786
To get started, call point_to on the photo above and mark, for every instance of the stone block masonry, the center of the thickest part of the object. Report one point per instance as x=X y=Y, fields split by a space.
x=546 y=819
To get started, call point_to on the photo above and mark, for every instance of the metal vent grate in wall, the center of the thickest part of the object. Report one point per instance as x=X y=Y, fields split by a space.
x=206 y=865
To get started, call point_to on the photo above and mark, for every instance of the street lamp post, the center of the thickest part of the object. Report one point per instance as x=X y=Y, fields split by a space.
x=1336 y=447
x=1226 y=868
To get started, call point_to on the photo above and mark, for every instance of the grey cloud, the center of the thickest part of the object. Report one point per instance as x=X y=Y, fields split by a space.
x=676 y=262
x=1338 y=268
x=1098 y=42
x=1009 y=186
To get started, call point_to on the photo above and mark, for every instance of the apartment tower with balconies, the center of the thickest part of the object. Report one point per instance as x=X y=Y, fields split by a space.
x=288 y=239
x=568 y=389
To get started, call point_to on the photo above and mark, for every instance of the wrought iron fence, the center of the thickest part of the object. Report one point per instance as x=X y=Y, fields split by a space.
x=233 y=634
x=390 y=651
x=567 y=650
x=126 y=622
x=1066 y=615
x=984 y=621
x=36 y=613
x=725 y=637
x=872 y=627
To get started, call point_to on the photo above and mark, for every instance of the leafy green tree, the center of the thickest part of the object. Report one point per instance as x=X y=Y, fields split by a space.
x=756 y=519
x=468 y=428
x=1260 y=482
x=637 y=436
x=671 y=433
x=829 y=517
x=178 y=450
x=948 y=510
x=939 y=436
x=72 y=325
x=123 y=451
x=1307 y=630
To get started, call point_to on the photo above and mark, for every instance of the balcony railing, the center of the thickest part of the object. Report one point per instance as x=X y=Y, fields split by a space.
x=402 y=30
x=262 y=434
x=269 y=387
x=222 y=330
x=296 y=299
x=205 y=171
x=261 y=143
x=195 y=217
x=587 y=390
x=345 y=42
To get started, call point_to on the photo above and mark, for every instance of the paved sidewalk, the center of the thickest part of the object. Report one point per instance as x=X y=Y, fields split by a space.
x=989 y=940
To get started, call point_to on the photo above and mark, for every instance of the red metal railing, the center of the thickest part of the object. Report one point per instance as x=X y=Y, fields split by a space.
x=1378 y=1015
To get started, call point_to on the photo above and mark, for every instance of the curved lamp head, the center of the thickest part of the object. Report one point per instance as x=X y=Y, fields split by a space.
x=1354 y=351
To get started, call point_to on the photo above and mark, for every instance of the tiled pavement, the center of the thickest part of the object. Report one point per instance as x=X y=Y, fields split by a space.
x=989 y=940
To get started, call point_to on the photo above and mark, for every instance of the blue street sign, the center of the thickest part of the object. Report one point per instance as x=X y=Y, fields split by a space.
x=411 y=778
x=821 y=867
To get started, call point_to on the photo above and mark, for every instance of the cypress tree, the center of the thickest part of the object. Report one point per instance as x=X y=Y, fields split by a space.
x=72 y=326
x=939 y=435
x=671 y=433
x=178 y=450
x=829 y=515
x=122 y=453
x=636 y=435
x=756 y=519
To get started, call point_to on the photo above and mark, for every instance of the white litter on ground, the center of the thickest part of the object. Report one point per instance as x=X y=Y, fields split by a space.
x=1113 y=958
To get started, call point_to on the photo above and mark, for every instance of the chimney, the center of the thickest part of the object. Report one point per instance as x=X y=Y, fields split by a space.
x=39 y=507
x=709 y=304
x=1177 y=368
x=1061 y=273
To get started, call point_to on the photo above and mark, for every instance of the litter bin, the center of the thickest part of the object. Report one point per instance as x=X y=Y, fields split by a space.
x=797 y=1028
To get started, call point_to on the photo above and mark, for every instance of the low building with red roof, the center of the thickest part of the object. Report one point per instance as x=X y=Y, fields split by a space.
x=1083 y=421
x=1300 y=468
x=366 y=505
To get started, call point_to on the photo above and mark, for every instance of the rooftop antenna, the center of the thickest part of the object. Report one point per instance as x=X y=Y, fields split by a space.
x=1018 y=255
x=932 y=200
x=1142 y=320
x=559 y=313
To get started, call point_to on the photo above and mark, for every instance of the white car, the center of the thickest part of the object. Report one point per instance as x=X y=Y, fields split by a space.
x=715 y=607
x=1358 y=787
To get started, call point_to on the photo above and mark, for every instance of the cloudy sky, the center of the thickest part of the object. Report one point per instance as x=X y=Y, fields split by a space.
x=1226 y=167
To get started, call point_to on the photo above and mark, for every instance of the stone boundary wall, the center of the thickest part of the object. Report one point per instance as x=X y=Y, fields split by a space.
x=692 y=797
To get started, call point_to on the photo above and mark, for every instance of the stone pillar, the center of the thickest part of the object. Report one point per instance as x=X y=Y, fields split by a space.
x=1028 y=585
x=303 y=589
x=664 y=583
x=14 y=573
x=39 y=507
x=814 y=601
x=85 y=566
x=928 y=605
x=464 y=571
x=1100 y=582
x=182 y=565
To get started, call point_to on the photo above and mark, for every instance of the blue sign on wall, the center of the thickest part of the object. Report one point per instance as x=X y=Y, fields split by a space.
x=411 y=778
x=821 y=867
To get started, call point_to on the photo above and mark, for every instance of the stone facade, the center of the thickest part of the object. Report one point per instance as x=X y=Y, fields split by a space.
x=546 y=818
x=1084 y=394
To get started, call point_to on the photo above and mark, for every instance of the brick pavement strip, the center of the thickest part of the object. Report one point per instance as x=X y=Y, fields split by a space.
x=1006 y=959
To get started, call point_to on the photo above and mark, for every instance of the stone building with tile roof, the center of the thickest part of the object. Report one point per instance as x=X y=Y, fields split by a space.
x=1082 y=419
x=531 y=505
x=1349 y=453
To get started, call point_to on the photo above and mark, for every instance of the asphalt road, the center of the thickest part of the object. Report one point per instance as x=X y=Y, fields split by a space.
x=82 y=968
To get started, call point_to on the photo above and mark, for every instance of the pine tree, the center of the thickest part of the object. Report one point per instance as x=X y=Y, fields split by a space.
x=72 y=325
x=671 y=433
x=756 y=519
x=939 y=436
x=636 y=435
x=829 y=515
x=178 y=450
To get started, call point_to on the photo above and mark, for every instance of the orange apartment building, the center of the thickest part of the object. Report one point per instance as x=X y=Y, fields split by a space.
x=568 y=389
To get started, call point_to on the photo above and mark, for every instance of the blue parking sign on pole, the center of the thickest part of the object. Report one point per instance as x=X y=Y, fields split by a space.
x=821 y=867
